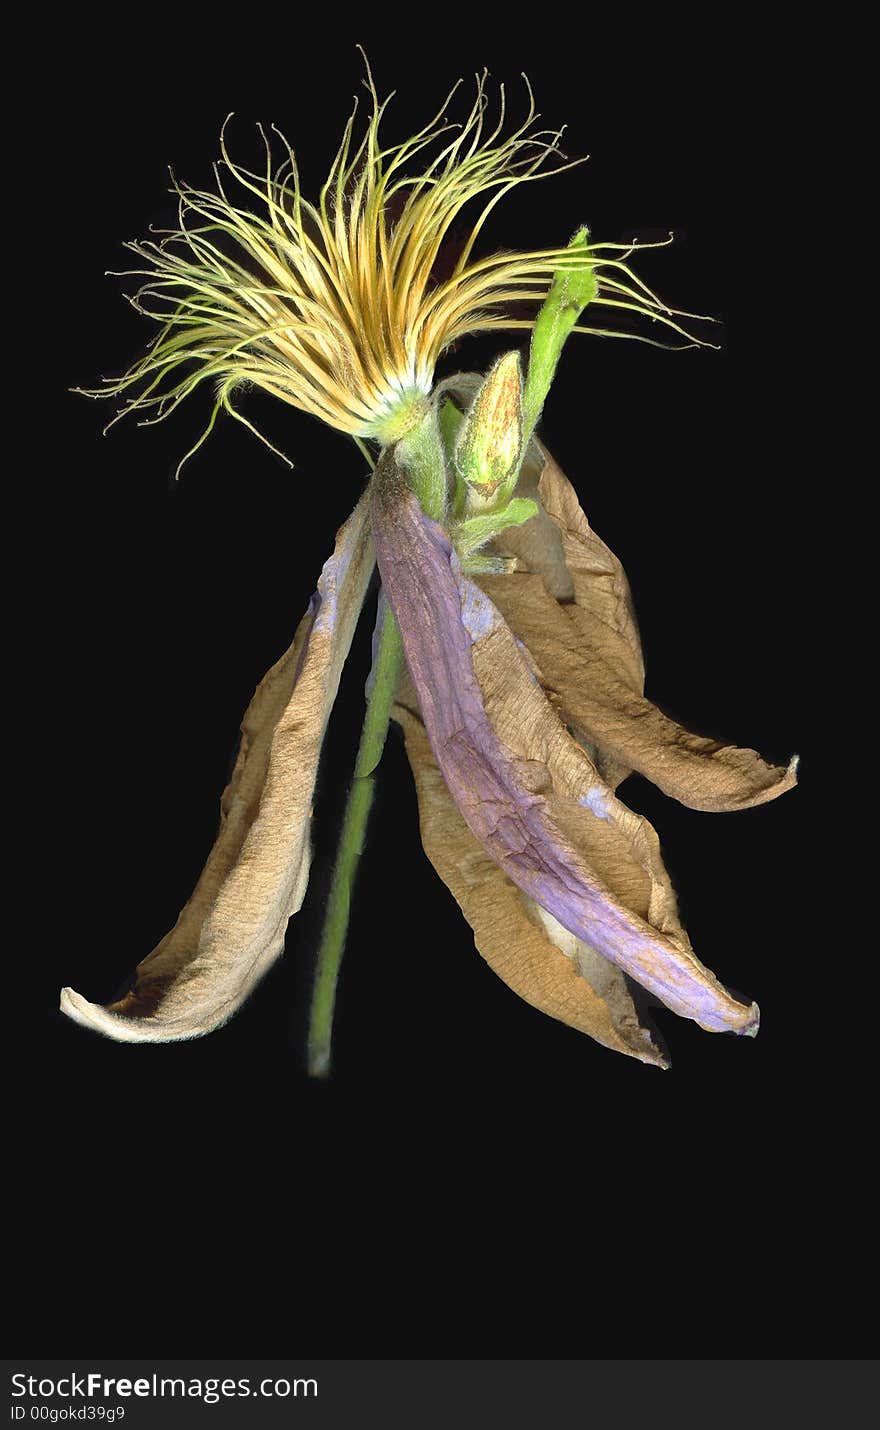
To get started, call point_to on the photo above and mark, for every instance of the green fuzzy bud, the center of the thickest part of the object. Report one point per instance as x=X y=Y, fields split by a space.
x=488 y=446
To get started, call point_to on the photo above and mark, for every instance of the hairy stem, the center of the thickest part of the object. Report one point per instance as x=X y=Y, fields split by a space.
x=420 y=454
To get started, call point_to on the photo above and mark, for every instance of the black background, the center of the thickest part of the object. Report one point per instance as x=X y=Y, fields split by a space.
x=475 y=1179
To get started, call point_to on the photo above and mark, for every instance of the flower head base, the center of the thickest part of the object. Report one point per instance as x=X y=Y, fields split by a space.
x=335 y=307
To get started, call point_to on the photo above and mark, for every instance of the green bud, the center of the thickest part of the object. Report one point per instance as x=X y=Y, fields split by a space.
x=488 y=446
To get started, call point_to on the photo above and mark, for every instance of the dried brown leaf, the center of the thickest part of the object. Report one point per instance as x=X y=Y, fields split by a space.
x=584 y=644
x=232 y=929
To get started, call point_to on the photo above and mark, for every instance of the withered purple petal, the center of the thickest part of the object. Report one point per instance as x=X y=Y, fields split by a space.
x=441 y=616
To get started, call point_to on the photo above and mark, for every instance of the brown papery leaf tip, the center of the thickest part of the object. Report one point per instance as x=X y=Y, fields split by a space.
x=95 y=1017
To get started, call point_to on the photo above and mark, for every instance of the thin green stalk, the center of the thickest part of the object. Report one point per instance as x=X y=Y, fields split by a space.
x=420 y=453
x=386 y=668
x=570 y=292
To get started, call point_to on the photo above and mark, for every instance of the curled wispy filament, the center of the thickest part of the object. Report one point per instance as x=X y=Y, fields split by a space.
x=335 y=307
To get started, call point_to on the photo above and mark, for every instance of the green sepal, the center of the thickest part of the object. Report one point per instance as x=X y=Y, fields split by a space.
x=478 y=564
x=475 y=531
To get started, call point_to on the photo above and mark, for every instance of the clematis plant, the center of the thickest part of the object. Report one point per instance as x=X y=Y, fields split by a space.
x=505 y=647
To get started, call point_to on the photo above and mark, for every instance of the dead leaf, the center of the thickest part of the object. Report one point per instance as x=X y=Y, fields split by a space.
x=586 y=650
x=232 y=928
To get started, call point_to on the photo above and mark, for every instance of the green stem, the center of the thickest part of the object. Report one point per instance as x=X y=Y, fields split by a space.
x=420 y=453
x=570 y=292
x=386 y=668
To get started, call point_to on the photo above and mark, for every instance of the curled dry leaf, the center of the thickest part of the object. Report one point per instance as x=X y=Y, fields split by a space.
x=255 y=878
x=570 y=605
x=527 y=790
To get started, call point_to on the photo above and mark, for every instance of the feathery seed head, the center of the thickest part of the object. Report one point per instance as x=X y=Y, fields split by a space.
x=334 y=306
